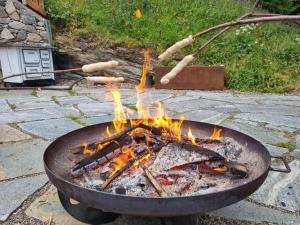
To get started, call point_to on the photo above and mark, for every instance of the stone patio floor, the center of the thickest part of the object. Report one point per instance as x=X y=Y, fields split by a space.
x=29 y=123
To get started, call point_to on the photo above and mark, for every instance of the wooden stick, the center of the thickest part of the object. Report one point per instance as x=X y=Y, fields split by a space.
x=249 y=21
x=128 y=165
x=159 y=189
x=219 y=34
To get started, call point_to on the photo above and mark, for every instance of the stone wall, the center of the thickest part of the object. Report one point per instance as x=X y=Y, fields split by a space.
x=20 y=26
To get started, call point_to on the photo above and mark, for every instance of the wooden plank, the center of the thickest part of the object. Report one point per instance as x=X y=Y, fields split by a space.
x=192 y=78
x=36 y=5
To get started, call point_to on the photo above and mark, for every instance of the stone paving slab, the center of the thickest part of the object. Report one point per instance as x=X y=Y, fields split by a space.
x=48 y=205
x=98 y=119
x=32 y=103
x=281 y=190
x=4 y=107
x=96 y=109
x=147 y=98
x=50 y=129
x=276 y=151
x=27 y=98
x=74 y=100
x=21 y=158
x=260 y=133
x=14 y=192
x=191 y=105
x=274 y=109
x=288 y=123
x=9 y=134
x=35 y=115
x=248 y=211
x=206 y=116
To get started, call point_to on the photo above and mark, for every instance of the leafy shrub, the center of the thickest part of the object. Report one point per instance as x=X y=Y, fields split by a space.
x=282 y=6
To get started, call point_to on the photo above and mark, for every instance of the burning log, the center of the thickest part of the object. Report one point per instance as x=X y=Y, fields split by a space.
x=128 y=165
x=100 y=157
x=159 y=189
x=94 y=146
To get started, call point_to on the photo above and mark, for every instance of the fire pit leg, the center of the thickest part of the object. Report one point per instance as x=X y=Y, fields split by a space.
x=84 y=213
x=180 y=220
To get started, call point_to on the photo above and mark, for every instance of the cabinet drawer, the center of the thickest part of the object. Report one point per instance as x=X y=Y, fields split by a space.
x=47 y=74
x=31 y=56
x=46 y=64
x=32 y=69
x=45 y=54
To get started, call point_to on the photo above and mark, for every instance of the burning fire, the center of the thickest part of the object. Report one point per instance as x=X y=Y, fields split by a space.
x=191 y=137
x=161 y=119
x=216 y=134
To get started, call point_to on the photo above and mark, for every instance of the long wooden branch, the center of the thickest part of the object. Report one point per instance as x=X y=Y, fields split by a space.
x=249 y=21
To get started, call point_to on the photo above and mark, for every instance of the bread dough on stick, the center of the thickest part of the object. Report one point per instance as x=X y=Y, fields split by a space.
x=94 y=67
x=176 y=47
x=105 y=80
x=177 y=69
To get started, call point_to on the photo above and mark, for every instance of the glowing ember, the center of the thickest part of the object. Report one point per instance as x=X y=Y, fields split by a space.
x=216 y=134
x=86 y=151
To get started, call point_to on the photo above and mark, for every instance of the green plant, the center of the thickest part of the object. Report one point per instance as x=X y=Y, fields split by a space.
x=12 y=106
x=72 y=93
x=291 y=147
x=283 y=7
x=76 y=119
x=34 y=92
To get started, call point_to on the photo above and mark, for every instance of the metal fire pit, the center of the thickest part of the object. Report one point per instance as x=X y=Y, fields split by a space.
x=97 y=207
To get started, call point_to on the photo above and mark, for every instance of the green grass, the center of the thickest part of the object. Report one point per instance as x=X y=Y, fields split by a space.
x=76 y=119
x=264 y=59
x=34 y=92
x=291 y=147
x=72 y=93
x=12 y=106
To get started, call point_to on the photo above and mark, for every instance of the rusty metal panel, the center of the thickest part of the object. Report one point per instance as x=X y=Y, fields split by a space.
x=192 y=78
x=36 y=5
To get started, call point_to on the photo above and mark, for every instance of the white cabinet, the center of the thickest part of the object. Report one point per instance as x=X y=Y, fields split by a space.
x=16 y=60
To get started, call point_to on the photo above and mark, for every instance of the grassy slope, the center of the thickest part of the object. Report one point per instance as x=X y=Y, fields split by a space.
x=265 y=59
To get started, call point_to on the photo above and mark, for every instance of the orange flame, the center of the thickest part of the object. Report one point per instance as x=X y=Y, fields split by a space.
x=87 y=151
x=216 y=134
x=138 y=13
x=191 y=137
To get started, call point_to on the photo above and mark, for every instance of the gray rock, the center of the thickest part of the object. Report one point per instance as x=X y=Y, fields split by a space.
x=29 y=28
x=13 y=193
x=40 y=28
x=260 y=133
x=50 y=129
x=41 y=24
x=22 y=158
x=6 y=34
x=32 y=37
x=4 y=20
x=9 y=134
x=209 y=94
x=15 y=16
x=248 y=211
x=10 y=8
x=49 y=202
x=28 y=18
x=2 y=12
x=21 y=35
x=16 y=25
x=75 y=100
x=281 y=190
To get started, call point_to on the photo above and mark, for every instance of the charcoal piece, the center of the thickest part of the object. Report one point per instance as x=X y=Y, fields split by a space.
x=238 y=170
x=140 y=149
x=139 y=138
x=120 y=190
